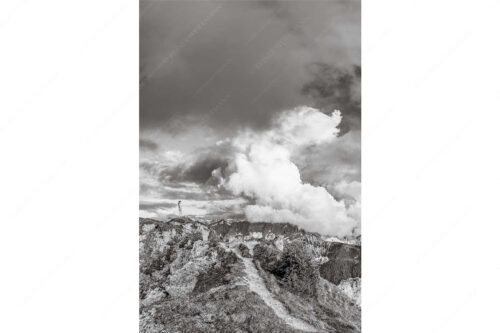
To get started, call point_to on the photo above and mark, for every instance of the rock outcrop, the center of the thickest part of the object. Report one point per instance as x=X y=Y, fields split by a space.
x=245 y=277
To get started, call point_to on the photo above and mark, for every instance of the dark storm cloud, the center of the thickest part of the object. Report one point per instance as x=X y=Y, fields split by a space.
x=334 y=88
x=187 y=178
x=200 y=171
x=237 y=63
x=148 y=144
x=197 y=168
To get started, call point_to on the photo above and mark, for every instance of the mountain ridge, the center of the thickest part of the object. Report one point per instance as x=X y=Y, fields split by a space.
x=240 y=276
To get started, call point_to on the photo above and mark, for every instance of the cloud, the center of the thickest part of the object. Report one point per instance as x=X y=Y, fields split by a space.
x=156 y=205
x=198 y=169
x=148 y=144
x=248 y=62
x=348 y=190
x=329 y=164
x=227 y=70
x=262 y=169
x=170 y=176
x=336 y=88
x=167 y=208
x=265 y=169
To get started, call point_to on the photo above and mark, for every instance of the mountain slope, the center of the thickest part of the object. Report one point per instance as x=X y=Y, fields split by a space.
x=242 y=277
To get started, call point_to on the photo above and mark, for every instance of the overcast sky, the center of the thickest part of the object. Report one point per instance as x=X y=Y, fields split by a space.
x=211 y=71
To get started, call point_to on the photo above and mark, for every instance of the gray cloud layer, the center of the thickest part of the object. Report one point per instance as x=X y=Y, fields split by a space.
x=237 y=63
x=148 y=144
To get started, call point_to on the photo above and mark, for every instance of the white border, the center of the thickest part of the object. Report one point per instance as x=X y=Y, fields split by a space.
x=430 y=166
x=69 y=170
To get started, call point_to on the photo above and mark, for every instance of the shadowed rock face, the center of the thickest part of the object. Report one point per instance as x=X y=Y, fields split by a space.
x=244 y=250
x=344 y=263
x=293 y=269
x=194 y=277
x=217 y=275
x=225 y=229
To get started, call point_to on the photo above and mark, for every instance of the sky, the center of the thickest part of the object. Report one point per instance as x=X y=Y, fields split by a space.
x=252 y=109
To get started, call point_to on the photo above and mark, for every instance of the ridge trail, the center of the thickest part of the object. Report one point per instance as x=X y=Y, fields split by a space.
x=257 y=285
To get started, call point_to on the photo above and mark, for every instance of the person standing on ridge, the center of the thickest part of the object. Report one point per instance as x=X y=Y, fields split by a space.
x=179 y=204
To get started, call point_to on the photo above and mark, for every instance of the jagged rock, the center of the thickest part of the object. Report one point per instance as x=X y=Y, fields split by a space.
x=294 y=268
x=218 y=274
x=197 y=277
x=266 y=255
x=245 y=251
x=352 y=288
x=225 y=229
x=344 y=263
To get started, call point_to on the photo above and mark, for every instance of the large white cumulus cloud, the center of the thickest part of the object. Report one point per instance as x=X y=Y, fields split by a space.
x=261 y=169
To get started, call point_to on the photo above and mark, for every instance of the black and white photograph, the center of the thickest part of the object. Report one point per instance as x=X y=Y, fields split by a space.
x=250 y=166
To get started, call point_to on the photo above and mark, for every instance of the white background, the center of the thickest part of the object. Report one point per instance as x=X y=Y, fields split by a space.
x=69 y=166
